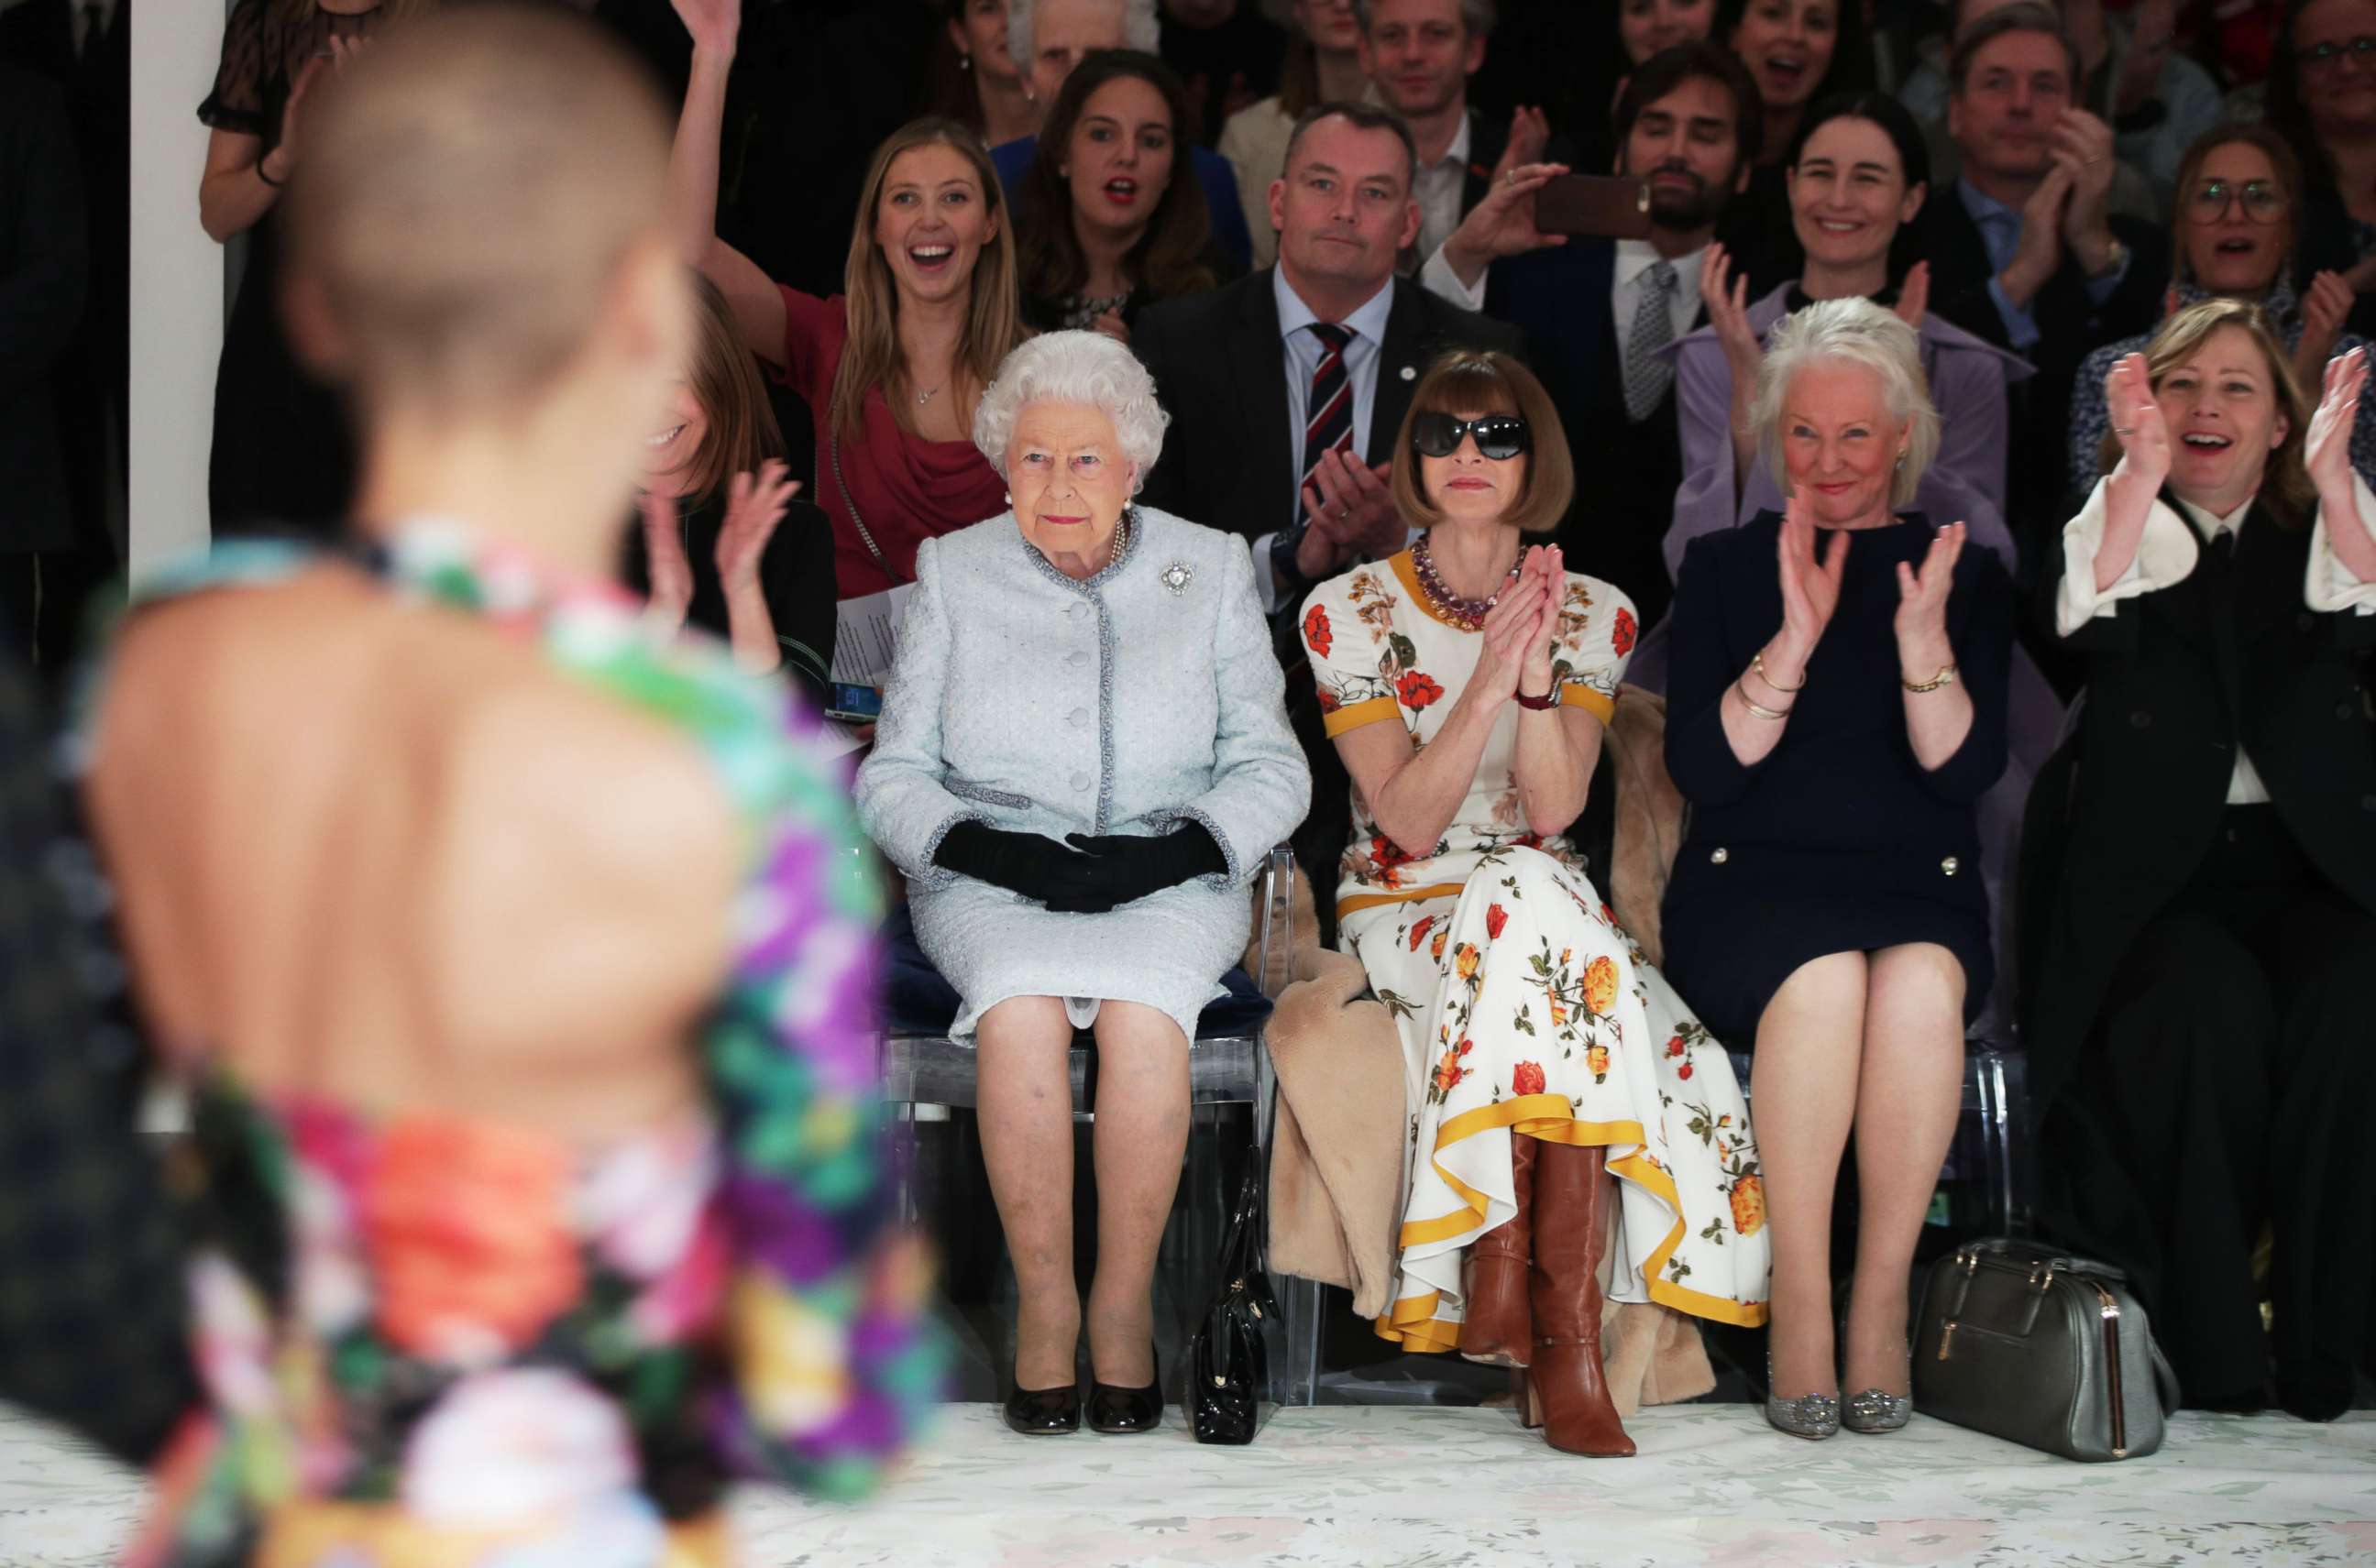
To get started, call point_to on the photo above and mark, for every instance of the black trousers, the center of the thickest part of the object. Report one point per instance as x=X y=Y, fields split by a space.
x=2235 y=1072
x=45 y=607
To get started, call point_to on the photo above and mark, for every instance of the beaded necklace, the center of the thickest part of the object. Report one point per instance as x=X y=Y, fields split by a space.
x=1468 y=614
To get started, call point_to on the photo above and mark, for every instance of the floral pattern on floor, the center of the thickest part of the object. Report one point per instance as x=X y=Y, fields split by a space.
x=1364 y=1485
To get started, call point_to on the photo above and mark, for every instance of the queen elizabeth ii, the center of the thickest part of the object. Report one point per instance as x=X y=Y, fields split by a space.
x=1083 y=759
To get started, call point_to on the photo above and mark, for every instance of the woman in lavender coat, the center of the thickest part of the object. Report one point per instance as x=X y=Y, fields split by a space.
x=1858 y=175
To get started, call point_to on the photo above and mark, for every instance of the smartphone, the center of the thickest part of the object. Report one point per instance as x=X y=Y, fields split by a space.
x=1615 y=207
x=854 y=704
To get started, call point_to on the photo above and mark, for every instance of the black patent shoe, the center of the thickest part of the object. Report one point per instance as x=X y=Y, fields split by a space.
x=1122 y=1410
x=1044 y=1412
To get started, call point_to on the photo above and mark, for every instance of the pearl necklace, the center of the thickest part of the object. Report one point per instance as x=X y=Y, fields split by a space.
x=1468 y=614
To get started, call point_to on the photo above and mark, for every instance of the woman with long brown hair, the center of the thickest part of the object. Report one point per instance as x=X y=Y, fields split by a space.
x=893 y=369
x=724 y=546
x=1107 y=222
x=282 y=455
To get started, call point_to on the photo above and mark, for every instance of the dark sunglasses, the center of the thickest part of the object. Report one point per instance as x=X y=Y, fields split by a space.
x=2323 y=55
x=1498 y=436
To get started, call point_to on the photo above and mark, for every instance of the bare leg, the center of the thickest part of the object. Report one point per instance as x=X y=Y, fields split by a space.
x=1142 y=1131
x=1908 y=1093
x=1803 y=1096
x=1025 y=1109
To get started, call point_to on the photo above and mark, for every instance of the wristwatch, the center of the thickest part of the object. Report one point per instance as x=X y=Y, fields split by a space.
x=1283 y=546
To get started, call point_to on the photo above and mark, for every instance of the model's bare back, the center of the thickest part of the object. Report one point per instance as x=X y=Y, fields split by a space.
x=376 y=852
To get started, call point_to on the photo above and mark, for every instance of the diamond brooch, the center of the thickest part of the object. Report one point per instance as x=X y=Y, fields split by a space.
x=1176 y=576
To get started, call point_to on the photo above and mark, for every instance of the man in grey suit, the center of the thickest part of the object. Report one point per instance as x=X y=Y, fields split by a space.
x=1286 y=389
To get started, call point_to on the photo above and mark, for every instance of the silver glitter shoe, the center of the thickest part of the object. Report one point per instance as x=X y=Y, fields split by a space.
x=1877 y=1410
x=1873 y=1410
x=1812 y=1416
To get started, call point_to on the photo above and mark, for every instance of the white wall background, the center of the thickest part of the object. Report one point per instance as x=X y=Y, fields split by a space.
x=177 y=281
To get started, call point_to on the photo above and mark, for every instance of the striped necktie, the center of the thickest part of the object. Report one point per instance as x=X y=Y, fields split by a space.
x=1330 y=425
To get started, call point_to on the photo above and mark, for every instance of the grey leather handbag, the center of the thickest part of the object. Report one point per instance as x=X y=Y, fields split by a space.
x=2023 y=1342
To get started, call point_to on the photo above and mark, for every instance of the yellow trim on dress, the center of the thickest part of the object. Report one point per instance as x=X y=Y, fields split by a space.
x=1371 y=710
x=1575 y=694
x=1359 y=901
x=308 y=1532
x=1548 y=1117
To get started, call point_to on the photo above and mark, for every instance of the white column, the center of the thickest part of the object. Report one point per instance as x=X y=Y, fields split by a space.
x=177 y=281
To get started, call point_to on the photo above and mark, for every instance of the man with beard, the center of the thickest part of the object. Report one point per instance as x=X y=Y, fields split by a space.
x=1595 y=312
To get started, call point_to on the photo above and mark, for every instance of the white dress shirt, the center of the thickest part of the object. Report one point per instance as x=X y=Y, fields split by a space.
x=1302 y=351
x=1437 y=187
x=2166 y=553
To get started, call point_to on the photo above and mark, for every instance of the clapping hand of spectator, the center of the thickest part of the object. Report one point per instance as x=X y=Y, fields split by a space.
x=2324 y=305
x=1727 y=299
x=2138 y=426
x=2327 y=454
x=1503 y=223
x=1546 y=568
x=1351 y=510
x=665 y=566
x=1531 y=132
x=1810 y=585
x=755 y=504
x=2082 y=144
x=2039 y=252
x=1921 y=620
x=1914 y=295
x=715 y=25
x=1515 y=644
x=1112 y=326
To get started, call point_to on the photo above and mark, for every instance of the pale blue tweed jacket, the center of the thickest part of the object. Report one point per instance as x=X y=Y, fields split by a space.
x=1029 y=701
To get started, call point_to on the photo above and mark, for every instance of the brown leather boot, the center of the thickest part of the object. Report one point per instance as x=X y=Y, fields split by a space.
x=1567 y=1394
x=1499 y=1325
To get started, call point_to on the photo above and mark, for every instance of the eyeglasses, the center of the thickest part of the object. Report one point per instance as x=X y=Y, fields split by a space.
x=1498 y=436
x=2262 y=201
x=2323 y=57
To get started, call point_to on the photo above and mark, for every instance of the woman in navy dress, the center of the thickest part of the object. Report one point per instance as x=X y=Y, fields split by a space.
x=1836 y=710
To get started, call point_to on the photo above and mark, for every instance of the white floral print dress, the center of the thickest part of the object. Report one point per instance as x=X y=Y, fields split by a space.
x=1524 y=1007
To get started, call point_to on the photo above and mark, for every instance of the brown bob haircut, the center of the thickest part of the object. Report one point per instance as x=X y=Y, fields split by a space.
x=725 y=380
x=2285 y=487
x=1468 y=382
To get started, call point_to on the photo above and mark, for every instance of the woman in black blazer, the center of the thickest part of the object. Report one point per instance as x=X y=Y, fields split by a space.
x=1834 y=713
x=2203 y=1048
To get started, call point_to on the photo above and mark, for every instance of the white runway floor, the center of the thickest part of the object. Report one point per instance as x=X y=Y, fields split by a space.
x=1378 y=1486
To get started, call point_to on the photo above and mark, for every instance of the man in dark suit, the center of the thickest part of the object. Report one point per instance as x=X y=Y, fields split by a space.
x=1595 y=312
x=2020 y=248
x=43 y=255
x=1419 y=55
x=1286 y=389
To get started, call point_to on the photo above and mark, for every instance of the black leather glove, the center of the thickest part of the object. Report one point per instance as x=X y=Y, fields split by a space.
x=1031 y=864
x=1129 y=866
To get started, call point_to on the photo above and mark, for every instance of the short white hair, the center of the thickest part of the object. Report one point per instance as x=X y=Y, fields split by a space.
x=1140 y=28
x=1849 y=331
x=1075 y=367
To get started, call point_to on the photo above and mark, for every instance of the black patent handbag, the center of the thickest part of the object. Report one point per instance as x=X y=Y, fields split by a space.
x=1229 y=1355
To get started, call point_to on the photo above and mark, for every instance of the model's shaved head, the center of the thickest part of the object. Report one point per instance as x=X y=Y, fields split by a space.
x=467 y=193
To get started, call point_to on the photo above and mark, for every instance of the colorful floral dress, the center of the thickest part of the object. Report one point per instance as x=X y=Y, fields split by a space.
x=1524 y=1007
x=435 y=1339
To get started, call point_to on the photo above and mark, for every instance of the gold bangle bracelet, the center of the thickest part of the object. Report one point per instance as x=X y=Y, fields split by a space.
x=1771 y=714
x=1757 y=662
x=1946 y=677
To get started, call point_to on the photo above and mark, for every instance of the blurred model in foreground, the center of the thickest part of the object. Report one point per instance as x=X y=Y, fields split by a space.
x=519 y=965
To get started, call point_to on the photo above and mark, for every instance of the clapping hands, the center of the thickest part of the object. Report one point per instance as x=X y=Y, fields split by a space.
x=1519 y=629
x=2138 y=426
x=1921 y=620
x=755 y=504
x=1810 y=582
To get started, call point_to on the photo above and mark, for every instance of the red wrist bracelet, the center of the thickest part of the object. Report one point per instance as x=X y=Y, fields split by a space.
x=1548 y=699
